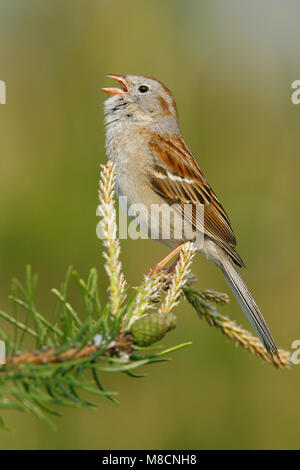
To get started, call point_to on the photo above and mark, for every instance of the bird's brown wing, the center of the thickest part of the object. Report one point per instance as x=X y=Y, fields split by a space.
x=177 y=178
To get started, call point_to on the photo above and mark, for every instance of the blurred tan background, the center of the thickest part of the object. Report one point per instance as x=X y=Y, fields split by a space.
x=230 y=65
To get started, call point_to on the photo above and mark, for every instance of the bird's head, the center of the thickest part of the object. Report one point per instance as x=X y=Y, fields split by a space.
x=140 y=101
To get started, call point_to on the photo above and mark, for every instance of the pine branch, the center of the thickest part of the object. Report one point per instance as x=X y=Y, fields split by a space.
x=202 y=303
x=111 y=244
x=67 y=350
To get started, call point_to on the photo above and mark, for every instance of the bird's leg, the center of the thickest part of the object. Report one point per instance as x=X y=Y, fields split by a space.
x=172 y=268
x=164 y=261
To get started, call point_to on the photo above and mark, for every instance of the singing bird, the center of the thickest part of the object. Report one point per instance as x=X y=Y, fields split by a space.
x=155 y=166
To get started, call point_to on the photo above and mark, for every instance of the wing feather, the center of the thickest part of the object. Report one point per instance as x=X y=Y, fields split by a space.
x=177 y=178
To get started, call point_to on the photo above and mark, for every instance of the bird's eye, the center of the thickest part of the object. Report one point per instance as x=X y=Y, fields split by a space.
x=143 y=89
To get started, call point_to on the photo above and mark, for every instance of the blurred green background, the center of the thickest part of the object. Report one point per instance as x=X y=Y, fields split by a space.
x=230 y=65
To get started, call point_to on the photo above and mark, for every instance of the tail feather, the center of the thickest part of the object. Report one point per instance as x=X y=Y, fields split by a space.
x=248 y=305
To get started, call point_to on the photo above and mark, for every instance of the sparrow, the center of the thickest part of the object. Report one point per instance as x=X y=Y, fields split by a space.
x=155 y=166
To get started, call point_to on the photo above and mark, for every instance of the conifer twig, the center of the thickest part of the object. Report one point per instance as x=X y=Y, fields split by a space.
x=179 y=279
x=201 y=301
x=114 y=337
x=147 y=294
x=111 y=243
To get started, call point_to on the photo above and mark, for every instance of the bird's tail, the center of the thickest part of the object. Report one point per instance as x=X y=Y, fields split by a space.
x=248 y=305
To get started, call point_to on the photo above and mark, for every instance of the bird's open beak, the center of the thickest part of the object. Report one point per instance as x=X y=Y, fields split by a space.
x=116 y=91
